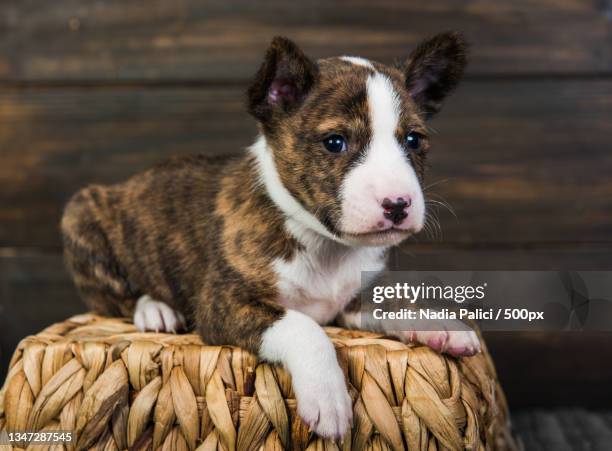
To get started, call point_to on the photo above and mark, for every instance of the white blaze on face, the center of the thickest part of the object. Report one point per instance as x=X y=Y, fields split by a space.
x=383 y=172
x=358 y=61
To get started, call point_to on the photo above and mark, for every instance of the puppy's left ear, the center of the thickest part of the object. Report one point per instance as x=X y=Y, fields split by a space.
x=434 y=69
x=282 y=82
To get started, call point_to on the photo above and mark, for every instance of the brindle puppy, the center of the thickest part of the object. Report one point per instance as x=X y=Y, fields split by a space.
x=257 y=251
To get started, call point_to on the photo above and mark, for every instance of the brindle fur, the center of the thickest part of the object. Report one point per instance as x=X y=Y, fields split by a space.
x=200 y=234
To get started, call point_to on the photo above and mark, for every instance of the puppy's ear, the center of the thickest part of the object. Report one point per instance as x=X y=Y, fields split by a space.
x=282 y=82
x=434 y=69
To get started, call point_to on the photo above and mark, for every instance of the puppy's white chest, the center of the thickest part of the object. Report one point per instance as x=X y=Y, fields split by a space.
x=322 y=286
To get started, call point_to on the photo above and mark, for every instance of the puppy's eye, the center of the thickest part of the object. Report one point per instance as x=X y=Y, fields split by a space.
x=335 y=144
x=413 y=140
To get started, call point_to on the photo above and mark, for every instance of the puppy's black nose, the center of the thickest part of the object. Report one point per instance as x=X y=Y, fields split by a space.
x=395 y=211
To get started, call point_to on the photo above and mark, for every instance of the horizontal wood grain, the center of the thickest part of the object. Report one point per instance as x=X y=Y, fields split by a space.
x=55 y=142
x=220 y=40
x=553 y=369
x=519 y=161
x=536 y=368
x=438 y=257
x=35 y=291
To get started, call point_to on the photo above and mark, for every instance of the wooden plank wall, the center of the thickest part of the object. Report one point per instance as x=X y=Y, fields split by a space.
x=93 y=91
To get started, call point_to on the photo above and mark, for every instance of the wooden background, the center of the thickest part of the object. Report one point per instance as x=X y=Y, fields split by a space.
x=93 y=91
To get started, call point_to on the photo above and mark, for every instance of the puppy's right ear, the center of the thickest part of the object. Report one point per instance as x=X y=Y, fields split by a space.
x=282 y=82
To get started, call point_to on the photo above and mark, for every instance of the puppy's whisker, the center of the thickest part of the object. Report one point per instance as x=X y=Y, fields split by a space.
x=441 y=203
x=432 y=232
x=438 y=182
x=427 y=228
x=436 y=221
x=433 y=224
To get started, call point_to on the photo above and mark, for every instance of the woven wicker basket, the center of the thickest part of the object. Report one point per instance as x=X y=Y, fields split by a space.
x=117 y=388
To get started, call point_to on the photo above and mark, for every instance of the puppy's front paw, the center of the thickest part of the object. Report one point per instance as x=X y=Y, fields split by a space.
x=152 y=315
x=300 y=344
x=323 y=402
x=450 y=339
